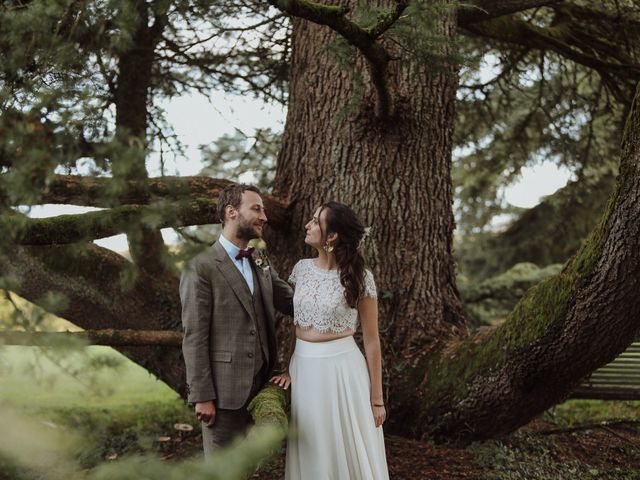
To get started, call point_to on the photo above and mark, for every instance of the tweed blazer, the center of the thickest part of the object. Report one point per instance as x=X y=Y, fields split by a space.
x=219 y=326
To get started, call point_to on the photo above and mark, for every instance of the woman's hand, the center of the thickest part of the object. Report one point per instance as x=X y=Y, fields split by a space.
x=283 y=380
x=379 y=414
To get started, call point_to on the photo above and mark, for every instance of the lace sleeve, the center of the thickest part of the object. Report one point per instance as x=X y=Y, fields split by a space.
x=294 y=272
x=369 y=285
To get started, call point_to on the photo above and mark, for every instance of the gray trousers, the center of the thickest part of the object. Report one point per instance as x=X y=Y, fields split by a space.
x=229 y=424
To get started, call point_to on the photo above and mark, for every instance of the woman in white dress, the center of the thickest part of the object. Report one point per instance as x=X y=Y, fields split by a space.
x=337 y=406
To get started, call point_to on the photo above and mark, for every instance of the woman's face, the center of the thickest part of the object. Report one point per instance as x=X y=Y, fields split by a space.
x=314 y=232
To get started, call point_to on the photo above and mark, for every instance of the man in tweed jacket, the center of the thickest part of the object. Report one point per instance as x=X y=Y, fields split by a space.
x=228 y=301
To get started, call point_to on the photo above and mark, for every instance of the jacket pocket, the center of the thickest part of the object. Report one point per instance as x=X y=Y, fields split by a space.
x=221 y=356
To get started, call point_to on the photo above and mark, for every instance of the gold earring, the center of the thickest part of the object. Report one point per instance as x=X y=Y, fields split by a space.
x=328 y=247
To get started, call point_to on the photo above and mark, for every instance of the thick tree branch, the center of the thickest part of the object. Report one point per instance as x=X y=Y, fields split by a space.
x=568 y=40
x=591 y=311
x=102 y=289
x=194 y=197
x=65 y=229
x=107 y=192
x=481 y=10
x=269 y=408
x=109 y=337
x=363 y=39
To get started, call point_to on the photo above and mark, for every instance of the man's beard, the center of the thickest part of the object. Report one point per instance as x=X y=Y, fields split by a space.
x=247 y=231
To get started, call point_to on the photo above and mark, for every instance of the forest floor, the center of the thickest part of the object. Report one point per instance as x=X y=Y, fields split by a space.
x=121 y=411
x=540 y=450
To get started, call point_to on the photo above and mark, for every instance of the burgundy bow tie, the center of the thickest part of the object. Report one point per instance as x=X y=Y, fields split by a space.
x=246 y=253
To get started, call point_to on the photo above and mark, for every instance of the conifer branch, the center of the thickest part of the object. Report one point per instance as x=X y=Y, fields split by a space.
x=389 y=19
x=363 y=39
x=481 y=10
x=567 y=39
x=110 y=337
x=187 y=201
x=99 y=192
x=65 y=229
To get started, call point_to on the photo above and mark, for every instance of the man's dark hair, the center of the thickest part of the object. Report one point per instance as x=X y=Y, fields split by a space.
x=232 y=195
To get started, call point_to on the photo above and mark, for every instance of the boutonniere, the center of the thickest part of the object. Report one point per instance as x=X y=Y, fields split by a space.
x=260 y=254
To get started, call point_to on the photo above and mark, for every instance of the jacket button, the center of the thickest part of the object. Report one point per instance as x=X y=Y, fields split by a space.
x=251 y=355
x=252 y=332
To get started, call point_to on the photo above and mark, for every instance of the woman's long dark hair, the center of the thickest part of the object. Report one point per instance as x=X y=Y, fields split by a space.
x=342 y=220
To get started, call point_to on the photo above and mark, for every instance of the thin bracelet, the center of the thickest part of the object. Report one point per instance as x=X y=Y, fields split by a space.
x=378 y=404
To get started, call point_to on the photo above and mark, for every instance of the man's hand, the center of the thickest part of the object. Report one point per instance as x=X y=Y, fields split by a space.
x=206 y=412
x=283 y=380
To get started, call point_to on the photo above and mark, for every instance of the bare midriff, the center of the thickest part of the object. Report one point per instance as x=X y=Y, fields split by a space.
x=313 y=335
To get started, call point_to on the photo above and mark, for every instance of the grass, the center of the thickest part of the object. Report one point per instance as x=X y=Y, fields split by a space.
x=113 y=406
x=580 y=412
x=96 y=376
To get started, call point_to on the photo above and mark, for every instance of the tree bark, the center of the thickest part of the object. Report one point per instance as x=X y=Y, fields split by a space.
x=561 y=331
x=395 y=174
x=107 y=337
x=131 y=100
x=103 y=289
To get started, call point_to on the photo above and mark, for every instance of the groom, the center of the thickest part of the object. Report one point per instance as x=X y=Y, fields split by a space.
x=228 y=300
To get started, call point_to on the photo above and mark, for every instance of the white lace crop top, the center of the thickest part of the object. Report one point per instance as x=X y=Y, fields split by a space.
x=318 y=299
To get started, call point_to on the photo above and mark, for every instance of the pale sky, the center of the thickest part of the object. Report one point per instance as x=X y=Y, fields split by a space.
x=198 y=120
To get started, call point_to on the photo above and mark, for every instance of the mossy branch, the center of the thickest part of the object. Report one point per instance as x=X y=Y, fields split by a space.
x=481 y=10
x=65 y=229
x=108 y=192
x=109 y=337
x=562 y=330
x=364 y=39
x=269 y=407
x=195 y=191
x=387 y=21
x=570 y=39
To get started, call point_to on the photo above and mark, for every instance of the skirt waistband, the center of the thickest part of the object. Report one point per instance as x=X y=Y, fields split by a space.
x=325 y=349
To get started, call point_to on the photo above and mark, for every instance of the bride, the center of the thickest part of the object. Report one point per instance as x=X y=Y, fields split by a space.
x=337 y=406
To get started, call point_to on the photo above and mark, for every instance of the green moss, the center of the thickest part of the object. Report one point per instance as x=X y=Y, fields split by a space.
x=543 y=309
x=269 y=407
x=630 y=127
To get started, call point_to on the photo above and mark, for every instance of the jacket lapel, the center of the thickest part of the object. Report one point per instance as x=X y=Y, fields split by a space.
x=266 y=289
x=264 y=280
x=233 y=277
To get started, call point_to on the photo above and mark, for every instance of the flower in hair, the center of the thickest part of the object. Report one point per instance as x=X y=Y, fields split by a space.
x=365 y=235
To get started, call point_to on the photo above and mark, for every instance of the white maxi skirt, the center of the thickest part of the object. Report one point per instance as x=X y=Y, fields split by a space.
x=334 y=436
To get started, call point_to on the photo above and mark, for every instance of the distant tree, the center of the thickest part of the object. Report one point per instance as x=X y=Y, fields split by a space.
x=236 y=156
x=371 y=113
x=490 y=301
x=549 y=233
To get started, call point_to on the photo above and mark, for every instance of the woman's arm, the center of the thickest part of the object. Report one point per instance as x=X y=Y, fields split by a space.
x=283 y=379
x=368 y=313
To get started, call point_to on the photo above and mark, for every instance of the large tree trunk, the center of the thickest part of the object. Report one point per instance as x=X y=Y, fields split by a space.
x=562 y=330
x=395 y=174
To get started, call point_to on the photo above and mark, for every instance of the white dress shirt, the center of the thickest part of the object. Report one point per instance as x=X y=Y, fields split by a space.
x=243 y=264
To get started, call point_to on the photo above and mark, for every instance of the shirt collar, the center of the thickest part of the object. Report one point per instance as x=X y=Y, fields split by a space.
x=231 y=249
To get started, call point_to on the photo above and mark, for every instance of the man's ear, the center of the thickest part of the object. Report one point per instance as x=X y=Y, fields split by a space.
x=230 y=212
